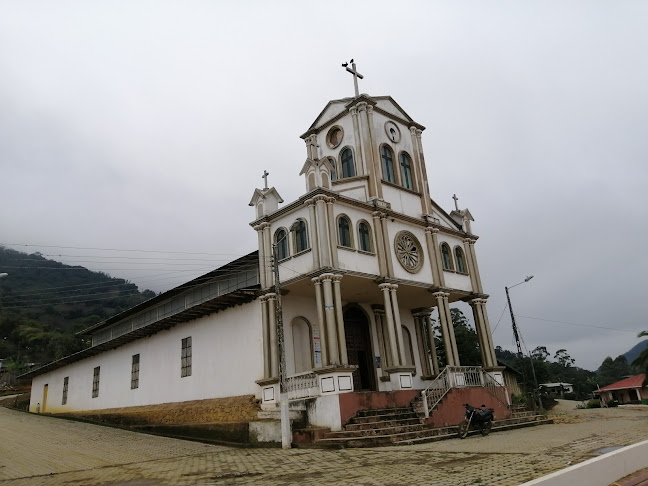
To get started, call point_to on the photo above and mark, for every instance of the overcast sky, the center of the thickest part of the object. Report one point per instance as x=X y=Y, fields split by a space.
x=147 y=126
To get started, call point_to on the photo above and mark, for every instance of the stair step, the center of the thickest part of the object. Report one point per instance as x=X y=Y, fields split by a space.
x=381 y=424
x=387 y=431
x=382 y=411
x=378 y=418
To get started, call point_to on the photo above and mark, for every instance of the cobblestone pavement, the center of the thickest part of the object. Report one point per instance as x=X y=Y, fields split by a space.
x=39 y=450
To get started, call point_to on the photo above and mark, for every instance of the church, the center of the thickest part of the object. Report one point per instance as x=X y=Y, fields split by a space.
x=337 y=308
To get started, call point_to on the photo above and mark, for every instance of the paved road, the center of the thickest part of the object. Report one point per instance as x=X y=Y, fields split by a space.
x=41 y=450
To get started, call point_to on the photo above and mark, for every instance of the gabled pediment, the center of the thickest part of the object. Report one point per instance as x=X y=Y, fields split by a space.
x=388 y=104
x=263 y=194
x=315 y=164
x=331 y=110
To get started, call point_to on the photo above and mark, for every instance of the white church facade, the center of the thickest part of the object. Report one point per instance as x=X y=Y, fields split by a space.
x=368 y=265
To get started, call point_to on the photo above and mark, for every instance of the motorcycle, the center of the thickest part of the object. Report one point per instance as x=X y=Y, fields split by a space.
x=477 y=418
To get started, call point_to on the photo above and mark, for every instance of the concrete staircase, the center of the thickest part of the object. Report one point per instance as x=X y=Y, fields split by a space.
x=401 y=426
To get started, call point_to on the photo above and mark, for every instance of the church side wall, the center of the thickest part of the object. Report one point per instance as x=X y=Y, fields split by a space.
x=452 y=279
x=226 y=361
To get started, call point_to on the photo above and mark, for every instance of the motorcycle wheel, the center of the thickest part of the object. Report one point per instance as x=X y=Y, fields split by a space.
x=462 y=429
x=486 y=428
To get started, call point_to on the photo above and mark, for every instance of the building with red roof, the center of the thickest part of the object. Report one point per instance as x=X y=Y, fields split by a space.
x=627 y=390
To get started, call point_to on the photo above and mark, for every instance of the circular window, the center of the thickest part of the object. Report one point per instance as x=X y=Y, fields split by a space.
x=334 y=136
x=408 y=251
x=392 y=131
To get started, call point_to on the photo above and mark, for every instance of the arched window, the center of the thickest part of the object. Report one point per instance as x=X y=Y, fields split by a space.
x=387 y=157
x=344 y=231
x=406 y=171
x=364 y=236
x=311 y=181
x=302 y=345
x=407 y=344
x=281 y=240
x=461 y=262
x=446 y=256
x=333 y=169
x=299 y=235
x=348 y=166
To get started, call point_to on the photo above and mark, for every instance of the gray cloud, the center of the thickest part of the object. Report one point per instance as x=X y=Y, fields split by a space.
x=148 y=125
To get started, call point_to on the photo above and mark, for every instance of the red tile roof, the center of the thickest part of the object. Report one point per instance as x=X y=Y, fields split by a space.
x=632 y=382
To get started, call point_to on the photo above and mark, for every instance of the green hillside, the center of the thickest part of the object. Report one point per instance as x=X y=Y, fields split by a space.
x=43 y=303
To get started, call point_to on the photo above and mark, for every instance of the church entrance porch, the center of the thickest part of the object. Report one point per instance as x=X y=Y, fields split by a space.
x=359 y=351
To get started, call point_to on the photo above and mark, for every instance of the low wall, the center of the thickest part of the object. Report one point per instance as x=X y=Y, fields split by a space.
x=451 y=410
x=602 y=470
x=216 y=410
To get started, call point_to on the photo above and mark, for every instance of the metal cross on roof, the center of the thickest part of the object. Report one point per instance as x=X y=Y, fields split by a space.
x=265 y=178
x=454 y=196
x=355 y=73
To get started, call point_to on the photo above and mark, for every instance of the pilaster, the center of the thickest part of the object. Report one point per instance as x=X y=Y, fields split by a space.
x=265 y=324
x=397 y=323
x=267 y=250
x=385 y=358
x=425 y=187
x=435 y=259
x=262 y=256
x=471 y=265
x=420 y=173
x=332 y=235
x=380 y=245
x=361 y=160
x=322 y=231
x=473 y=255
x=274 y=347
x=314 y=238
x=375 y=189
x=388 y=253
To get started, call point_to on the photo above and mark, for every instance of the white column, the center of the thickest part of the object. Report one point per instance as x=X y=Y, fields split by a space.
x=322 y=231
x=425 y=188
x=437 y=273
x=267 y=366
x=388 y=254
x=332 y=231
x=329 y=315
x=389 y=316
x=480 y=316
x=432 y=344
x=421 y=172
x=337 y=296
x=321 y=320
x=274 y=348
x=378 y=239
x=262 y=256
x=421 y=344
x=447 y=331
x=267 y=245
x=469 y=265
x=379 y=317
x=375 y=189
x=397 y=323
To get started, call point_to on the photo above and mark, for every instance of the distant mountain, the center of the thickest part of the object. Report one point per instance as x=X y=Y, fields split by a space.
x=43 y=303
x=636 y=349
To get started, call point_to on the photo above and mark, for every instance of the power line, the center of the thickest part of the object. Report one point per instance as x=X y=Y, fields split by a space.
x=118 y=249
x=578 y=324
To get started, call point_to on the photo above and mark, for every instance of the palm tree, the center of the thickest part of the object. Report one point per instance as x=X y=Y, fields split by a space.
x=642 y=360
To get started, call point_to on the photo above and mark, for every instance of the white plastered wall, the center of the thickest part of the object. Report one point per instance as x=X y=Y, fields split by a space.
x=219 y=341
x=425 y=274
x=452 y=279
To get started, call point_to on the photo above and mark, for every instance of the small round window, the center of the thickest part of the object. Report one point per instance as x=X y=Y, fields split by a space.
x=334 y=137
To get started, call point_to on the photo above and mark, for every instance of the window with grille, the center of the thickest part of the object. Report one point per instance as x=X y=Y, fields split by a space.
x=406 y=171
x=185 y=369
x=135 y=371
x=66 y=382
x=344 y=232
x=387 y=157
x=95 y=382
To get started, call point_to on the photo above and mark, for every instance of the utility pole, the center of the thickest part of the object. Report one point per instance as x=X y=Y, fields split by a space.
x=286 y=432
x=516 y=334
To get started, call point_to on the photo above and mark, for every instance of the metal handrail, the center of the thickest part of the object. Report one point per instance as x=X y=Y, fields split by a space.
x=460 y=377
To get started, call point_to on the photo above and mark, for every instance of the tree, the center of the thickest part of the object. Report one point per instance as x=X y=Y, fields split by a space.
x=466 y=337
x=563 y=358
x=540 y=353
x=641 y=361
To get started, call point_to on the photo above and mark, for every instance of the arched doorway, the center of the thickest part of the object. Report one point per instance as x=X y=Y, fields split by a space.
x=359 y=352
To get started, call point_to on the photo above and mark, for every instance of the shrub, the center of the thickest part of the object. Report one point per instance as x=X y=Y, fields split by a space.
x=644 y=401
x=612 y=403
x=593 y=404
x=570 y=396
x=520 y=399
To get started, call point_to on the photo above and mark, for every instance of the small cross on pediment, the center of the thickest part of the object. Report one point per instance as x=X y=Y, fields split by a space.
x=265 y=178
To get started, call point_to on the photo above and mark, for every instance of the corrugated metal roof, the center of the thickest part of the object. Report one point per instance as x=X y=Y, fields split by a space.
x=631 y=382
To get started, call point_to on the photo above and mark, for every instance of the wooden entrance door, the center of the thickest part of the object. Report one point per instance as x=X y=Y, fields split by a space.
x=359 y=352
